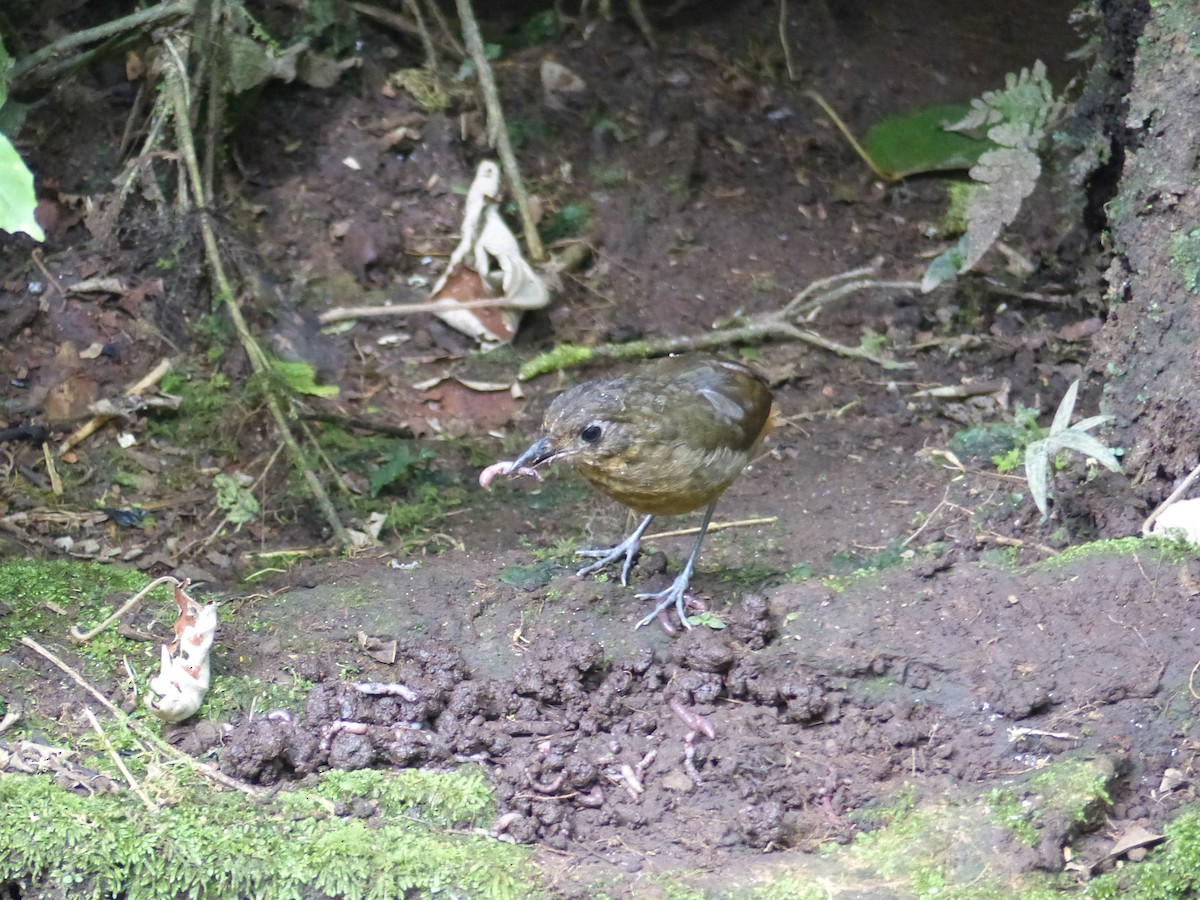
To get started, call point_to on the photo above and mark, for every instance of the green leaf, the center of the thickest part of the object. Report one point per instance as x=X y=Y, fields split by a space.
x=17 y=197
x=1088 y=445
x=239 y=504
x=1062 y=416
x=917 y=141
x=400 y=464
x=1037 y=470
x=302 y=378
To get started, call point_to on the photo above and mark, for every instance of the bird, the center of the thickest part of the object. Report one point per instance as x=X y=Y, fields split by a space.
x=665 y=439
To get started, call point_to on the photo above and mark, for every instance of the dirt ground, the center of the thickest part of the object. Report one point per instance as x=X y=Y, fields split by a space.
x=958 y=647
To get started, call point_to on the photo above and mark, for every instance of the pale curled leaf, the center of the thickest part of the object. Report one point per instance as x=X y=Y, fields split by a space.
x=1037 y=469
x=1066 y=408
x=1091 y=422
x=1088 y=445
x=489 y=248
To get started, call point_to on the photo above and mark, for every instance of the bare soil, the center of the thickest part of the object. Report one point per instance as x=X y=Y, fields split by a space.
x=967 y=654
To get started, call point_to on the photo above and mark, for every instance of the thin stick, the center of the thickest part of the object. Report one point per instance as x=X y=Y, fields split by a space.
x=849 y=136
x=175 y=84
x=498 y=129
x=715 y=526
x=342 y=313
x=783 y=40
x=137 y=21
x=100 y=698
x=210 y=772
x=118 y=762
x=1171 y=500
x=82 y=637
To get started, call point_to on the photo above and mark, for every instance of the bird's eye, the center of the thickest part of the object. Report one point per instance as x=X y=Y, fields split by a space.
x=590 y=433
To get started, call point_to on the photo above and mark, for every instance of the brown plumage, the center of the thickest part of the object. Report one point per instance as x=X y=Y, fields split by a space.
x=665 y=439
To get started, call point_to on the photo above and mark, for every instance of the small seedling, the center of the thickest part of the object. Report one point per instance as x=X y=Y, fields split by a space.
x=1065 y=437
x=708 y=620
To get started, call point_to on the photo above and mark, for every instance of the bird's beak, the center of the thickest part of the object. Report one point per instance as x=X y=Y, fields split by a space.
x=539 y=452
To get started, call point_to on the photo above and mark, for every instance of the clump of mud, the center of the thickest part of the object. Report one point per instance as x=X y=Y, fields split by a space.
x=708 y=729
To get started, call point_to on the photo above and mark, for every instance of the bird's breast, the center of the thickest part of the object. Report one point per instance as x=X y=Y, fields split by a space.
x=667 y=480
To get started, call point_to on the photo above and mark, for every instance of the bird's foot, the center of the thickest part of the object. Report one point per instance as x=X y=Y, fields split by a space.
x=676 y=595
x=628 y=548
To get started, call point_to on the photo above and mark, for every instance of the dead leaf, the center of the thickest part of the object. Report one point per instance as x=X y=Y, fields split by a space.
x=1135 y=836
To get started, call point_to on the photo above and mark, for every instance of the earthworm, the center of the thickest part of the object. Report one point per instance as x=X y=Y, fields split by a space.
x=377 y=688
x=593 y=799
x=632 y=783
x=546 y=787
x=693 y=721
x=502 y=468
x=689 y=763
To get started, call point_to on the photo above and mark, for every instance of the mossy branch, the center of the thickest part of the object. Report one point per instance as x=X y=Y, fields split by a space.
x=176 y=86
x=778 y=324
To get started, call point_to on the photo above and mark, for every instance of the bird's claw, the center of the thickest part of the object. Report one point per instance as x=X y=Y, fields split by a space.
x=626 y=549
x=676 y=595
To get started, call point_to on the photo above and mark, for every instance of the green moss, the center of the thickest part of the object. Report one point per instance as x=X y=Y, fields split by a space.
x=1170 y=551
x=215 y=844
x=83 y=591
x=232 y=694
x=1009 y=811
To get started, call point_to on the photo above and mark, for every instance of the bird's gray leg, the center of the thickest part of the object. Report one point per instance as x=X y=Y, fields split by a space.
x=675 y=594
x=627 y=548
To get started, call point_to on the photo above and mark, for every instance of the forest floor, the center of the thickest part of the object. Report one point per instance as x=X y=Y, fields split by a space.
x=900 y=628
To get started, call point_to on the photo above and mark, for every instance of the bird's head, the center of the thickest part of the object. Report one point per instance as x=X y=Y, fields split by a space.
x=586 y=425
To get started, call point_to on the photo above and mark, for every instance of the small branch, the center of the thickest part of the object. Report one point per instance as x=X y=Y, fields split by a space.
x=715 y=526
x=175 y=85
x=342 y=313
x=783 y=41
x=776 y=324
x=446 y=43
x=135 y=22
x=118 y=762
x=82 y=637
x=498 y=129
x=210 y=772
x=849 y=136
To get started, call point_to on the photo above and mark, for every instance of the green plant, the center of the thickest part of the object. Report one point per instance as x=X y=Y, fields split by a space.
x=1018 y=120
x=707 y=619
x=1065 y=437
x=17 y=197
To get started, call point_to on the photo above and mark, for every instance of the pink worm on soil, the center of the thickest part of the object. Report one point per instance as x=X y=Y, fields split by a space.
x=501 y=468
x=693 y=721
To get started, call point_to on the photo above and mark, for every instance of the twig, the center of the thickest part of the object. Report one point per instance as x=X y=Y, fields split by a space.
x=175 y=86
x=498 y=129
x=778 y=323
x=210 y=772
x=849 y=136
x=1171 y=500
x=342 y=313
x=783 y=40
x=134 y=22
x=82 y=637
x=447 y=43
x=638 y=13
x=95 y=423
x=715 y=526
x=100 y=698
x=118 y=762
